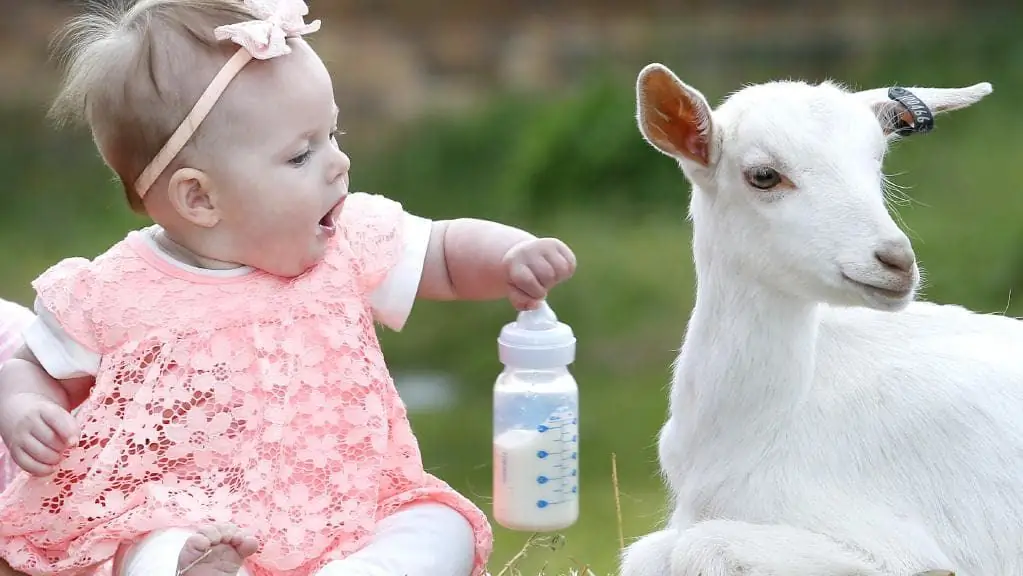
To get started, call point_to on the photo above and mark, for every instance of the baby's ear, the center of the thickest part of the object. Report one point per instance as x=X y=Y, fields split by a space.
x=190 y=192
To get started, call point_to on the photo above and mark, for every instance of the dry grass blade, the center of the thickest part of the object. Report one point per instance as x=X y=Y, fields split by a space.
x=508 y=568
x=556 y=541
x=618 y=500
x=194 y=563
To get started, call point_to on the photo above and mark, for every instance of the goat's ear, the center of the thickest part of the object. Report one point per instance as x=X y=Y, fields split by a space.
x=673 y=117
x=899 y=111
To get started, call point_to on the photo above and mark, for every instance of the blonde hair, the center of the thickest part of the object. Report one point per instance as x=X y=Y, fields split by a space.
x=133 y=70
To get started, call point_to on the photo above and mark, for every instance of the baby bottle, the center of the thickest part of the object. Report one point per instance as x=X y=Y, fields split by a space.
x=536 y=438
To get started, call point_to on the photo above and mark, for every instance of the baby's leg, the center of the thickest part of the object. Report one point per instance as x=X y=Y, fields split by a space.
x=210 y=551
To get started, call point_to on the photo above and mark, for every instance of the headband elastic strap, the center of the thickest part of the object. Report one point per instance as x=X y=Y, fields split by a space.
x=191 y=123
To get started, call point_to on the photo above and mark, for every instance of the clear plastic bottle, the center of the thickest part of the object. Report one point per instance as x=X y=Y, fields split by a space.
x=536 y=425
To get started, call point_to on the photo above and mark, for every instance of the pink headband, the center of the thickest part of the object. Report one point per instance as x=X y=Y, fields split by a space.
x=264 y=38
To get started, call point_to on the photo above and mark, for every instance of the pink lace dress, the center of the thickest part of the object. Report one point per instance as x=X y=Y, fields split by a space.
x=254 y=399
x=13 y=319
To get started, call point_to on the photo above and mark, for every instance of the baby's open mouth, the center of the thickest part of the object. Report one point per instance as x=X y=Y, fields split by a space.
x=328 y=224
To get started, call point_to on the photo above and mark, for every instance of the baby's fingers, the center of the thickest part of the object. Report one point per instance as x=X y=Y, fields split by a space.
x=35 y=458
x=567 y=254
x=546 y=273
x=61 y=430
x=561 y=267
x=524 y=279
x=522 y=301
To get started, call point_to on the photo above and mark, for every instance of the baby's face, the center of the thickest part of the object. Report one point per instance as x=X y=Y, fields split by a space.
x=280 y=175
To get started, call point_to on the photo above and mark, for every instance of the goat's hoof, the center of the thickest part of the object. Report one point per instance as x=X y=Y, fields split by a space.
x=936 y=573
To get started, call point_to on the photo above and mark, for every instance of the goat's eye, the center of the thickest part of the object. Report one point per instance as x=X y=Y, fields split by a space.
x=763 y=177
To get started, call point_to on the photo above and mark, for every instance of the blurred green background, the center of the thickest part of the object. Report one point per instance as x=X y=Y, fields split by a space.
x=525 y=114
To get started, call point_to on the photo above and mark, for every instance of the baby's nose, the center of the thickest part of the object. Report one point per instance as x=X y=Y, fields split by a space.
x=340 y=166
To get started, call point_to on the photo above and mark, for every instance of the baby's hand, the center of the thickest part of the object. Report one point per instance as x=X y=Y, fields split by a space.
x=534 y=267
x=37 y=431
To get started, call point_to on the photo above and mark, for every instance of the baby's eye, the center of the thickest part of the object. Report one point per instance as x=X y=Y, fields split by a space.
x=300 y=159
x=335 y=134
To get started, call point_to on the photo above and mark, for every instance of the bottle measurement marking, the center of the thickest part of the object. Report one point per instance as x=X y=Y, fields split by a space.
x=562 y=485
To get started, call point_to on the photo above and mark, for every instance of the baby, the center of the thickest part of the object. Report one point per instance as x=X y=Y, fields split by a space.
x=234 y=411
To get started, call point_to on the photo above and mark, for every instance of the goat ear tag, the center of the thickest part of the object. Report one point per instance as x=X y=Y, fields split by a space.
x=915 y=116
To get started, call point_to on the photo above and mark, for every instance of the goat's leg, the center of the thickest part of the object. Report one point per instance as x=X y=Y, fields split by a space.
x=733 y=548
x=650 y=555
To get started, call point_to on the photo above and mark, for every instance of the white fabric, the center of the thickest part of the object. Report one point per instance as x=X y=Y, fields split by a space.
x=63 y=357
x=392 y=301
x=155 y=555
x=420 y=540
x=59 y=354
x=148 y=235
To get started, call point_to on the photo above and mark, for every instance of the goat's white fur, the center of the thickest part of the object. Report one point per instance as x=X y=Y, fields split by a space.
x=822 y=422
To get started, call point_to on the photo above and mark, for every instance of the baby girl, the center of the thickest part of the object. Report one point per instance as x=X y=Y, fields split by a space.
x=234 y=411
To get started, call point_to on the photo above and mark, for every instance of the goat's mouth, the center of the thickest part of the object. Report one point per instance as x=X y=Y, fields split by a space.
x=882 y=292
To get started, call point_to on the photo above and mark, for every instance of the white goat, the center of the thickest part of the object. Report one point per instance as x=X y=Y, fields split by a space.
x=822 y=423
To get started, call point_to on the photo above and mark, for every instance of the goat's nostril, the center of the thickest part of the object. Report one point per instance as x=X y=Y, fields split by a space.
x=896 y=259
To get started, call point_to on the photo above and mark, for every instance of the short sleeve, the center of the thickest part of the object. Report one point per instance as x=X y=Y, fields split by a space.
x=393 y=299
x=58 y=353
x=63 y=332
x=388 y=248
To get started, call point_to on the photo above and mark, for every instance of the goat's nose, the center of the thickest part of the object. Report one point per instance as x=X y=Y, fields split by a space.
x=896 y=256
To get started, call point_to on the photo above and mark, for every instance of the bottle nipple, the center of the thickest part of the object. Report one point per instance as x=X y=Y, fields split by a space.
x=540 y=318
x=537 y=340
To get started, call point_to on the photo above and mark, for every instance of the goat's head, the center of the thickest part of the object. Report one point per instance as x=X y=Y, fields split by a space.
x=787 y=180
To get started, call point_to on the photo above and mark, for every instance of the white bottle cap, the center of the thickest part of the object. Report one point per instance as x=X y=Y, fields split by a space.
x=537 y=341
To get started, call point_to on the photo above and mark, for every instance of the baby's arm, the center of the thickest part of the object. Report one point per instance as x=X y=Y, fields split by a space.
x=35 y=413
x=469 y=259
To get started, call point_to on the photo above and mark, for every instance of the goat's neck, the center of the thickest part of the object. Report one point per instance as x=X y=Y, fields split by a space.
x=748 y=355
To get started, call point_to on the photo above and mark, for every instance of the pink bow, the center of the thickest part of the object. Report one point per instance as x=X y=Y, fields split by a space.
x=267 y=37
